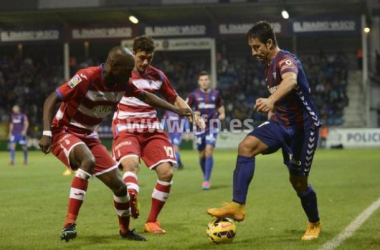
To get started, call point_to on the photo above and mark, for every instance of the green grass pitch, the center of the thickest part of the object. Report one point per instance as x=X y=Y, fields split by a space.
x=33 y=202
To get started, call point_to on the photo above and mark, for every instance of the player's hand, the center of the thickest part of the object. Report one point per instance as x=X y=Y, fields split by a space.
x=184 y=112
x=199 y=121
x=23 y=133
x=221 y=117
x=45 y=144
x=191 y=118
x=263 y=105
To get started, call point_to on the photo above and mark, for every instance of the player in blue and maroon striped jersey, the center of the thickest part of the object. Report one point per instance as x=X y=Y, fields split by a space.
x=292 y=126
x=207 y=103
x=18 y=126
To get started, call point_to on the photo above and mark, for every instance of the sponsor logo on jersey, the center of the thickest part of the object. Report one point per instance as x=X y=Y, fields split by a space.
x=203 y=105
x=105 y=109
x=74 y=81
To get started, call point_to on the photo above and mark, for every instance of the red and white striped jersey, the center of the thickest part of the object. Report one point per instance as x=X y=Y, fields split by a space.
x=86 y=100
x=131 y=112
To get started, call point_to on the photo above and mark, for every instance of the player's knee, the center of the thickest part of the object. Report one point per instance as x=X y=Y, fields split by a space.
x=208 y=152
x=165 y=172
x=131 y=165
x=245 y=149
x=299 y=184
x=88 y=164
x=120 y=189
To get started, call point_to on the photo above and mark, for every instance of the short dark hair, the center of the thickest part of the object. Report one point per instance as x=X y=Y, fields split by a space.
x=203 y=73
x=263 y=31
x=143 y=43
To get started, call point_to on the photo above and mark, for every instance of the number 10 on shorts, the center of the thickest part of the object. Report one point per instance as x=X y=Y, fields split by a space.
x=169 y=151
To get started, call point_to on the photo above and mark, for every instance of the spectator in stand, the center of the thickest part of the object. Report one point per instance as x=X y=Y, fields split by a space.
x=359 y=57
x=324 y=133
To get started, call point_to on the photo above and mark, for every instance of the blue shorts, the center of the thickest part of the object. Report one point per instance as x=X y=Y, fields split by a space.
x=207 y=137
x=298 y=145
x=20 y=139
x=175 y=139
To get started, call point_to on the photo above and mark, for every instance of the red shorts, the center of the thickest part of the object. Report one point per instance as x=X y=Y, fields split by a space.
x=154 y=148
x=65 y=140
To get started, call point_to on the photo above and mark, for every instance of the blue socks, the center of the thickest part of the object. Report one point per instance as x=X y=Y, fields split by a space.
x=243 y=174
x=202 y=163
x=309 y=204
x=209 y=163
x=13 y=151
x=178 y=157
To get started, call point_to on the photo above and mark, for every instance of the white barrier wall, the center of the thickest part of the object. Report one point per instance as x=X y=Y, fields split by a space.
x=348 y=138
x=228 y=140
x=354 y=138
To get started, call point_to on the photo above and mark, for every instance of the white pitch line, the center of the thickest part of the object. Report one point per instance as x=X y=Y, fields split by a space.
x=350 y=229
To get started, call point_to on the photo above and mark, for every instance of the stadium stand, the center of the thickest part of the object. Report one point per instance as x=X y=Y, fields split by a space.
x=27 y=82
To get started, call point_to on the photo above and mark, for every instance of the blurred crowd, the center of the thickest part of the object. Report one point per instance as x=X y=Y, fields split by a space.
x=241 y=82
x=28 y=82
x=328 y=78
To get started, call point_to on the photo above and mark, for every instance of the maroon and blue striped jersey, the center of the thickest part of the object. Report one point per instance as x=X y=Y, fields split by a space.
x=18 y=122
x=207 y=104
x=296 y=108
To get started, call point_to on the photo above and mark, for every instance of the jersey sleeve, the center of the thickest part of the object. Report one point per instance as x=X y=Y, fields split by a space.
x=133 y=90
x=219 y=101
x=76 y=87
x=190 y=100
x=167 y=90
x=288 y=64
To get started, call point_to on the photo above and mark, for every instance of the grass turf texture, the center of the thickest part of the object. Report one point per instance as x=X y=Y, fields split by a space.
x=34 y=200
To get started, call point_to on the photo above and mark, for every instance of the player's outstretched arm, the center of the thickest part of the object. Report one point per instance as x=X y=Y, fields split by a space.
x=179 y=102
x=222 y=113
x=288 y=83
x=156 y=102
x=48 y=114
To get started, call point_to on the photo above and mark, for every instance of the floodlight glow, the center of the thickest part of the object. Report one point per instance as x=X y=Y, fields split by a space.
x=284 y=14
x=367 y=30
x=133 y=19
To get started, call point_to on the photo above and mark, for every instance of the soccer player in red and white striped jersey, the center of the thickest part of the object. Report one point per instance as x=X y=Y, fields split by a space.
x=87 y=98
x=138 y=133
